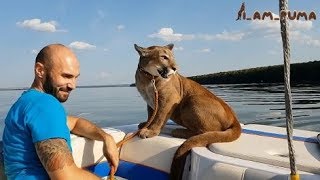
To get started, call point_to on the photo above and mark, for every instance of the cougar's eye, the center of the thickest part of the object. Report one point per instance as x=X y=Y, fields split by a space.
x=164 y=57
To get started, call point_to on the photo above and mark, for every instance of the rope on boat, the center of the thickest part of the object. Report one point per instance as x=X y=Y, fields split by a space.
x=150 y=119
x=283 y=6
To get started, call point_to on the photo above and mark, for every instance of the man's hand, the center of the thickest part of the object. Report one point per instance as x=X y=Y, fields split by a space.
x=110 y=151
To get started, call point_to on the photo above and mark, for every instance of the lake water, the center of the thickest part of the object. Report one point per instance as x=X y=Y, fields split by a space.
x=253 y=103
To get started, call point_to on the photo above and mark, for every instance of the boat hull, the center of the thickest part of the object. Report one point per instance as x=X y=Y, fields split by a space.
x=259 y=153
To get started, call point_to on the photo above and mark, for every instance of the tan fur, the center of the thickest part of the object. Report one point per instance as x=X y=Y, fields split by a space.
x=206 y=117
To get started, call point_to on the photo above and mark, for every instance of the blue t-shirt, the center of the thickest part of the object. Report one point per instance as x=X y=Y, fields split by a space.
x=34 y=117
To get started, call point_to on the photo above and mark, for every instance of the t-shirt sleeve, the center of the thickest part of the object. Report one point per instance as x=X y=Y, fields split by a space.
x=48 y=120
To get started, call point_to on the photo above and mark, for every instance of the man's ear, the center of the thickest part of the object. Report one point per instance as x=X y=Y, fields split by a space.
x=39 y=70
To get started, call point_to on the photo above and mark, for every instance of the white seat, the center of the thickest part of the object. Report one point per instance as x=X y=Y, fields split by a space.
x=272 y=150
x=88 y=152
x=156 y=152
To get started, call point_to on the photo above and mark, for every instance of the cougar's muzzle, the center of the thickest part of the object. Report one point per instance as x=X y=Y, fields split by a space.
x=165 y=72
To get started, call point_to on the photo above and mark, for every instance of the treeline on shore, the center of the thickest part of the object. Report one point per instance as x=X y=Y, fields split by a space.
x=308 y=72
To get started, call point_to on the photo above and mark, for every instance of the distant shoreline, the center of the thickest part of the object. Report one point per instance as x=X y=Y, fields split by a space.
x=307 y=72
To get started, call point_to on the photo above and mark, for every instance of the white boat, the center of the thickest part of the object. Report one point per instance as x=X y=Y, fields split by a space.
x=261 y=152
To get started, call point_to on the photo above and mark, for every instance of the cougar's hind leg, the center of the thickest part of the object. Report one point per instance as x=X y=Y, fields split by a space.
x=182 y=133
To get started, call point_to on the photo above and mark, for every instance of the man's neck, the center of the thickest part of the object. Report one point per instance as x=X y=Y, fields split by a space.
x=37 y=86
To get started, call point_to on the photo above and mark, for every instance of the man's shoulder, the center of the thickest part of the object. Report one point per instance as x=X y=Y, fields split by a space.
x=38 y=97
x=34 y=102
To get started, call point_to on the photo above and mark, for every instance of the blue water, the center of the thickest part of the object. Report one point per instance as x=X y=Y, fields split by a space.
x=253 y=103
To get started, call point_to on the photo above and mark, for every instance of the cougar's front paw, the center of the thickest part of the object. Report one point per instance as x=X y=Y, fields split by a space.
x=141 y=125
x=147 y=133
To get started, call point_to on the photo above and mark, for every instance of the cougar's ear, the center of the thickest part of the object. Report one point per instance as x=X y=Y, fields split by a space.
x=142 y=51
x=170 y=46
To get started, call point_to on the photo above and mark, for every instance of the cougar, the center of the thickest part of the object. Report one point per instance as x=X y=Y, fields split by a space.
x=205 y=117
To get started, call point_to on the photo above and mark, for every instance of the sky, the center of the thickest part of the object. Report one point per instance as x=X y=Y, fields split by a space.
x=102 y=33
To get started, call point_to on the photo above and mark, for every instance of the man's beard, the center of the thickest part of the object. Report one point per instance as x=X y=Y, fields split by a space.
x=54 y=91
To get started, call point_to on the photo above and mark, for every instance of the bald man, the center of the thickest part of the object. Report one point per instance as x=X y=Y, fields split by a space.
x=36 y=136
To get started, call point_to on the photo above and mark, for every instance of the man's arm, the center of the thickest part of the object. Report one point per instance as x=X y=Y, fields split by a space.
x=57 y=159
x=85 y=128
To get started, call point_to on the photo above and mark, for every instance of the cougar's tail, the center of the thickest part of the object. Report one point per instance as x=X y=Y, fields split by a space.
x=201 y=140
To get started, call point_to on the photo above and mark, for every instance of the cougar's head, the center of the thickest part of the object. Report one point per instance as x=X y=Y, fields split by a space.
x=157 y=60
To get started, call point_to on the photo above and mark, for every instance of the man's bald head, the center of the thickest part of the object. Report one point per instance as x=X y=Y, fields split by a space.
x=53 y=53
x=56 y=70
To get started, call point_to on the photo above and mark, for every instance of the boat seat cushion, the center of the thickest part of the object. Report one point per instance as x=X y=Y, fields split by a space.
x=87 y=152
x=156 y=152
x=226 y=171
x=272 y=150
